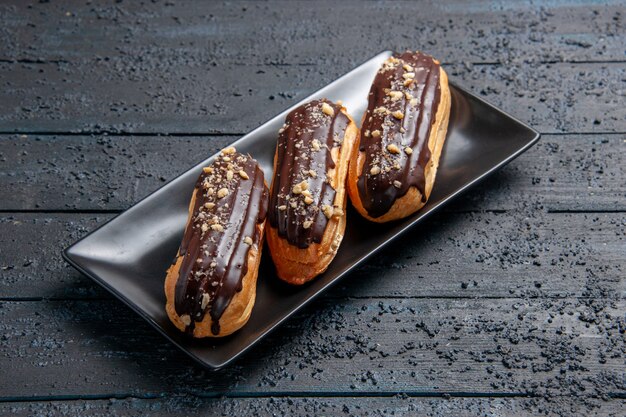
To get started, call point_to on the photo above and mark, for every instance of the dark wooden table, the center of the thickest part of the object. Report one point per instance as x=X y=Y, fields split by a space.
x=510 y=302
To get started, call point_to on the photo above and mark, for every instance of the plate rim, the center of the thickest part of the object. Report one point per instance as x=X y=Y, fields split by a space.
x=69 y=257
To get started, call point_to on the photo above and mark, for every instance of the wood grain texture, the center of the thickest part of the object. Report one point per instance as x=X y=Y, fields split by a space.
x=571 y=172
x=194 y=68
x=419 y=346
x=310 y=33
x=314 y=406
x=513 y=254
x=510 y=303
x=228 y=98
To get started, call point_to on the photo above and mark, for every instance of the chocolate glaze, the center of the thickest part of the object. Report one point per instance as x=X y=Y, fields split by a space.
x=304 y=154
x=215 y=244
x=403 y=112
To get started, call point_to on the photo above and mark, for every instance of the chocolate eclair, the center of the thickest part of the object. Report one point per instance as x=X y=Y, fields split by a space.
x=308 y=198
x=211 y=285
x=402 y=136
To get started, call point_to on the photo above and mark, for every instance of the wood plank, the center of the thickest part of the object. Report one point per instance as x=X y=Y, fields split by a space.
x=310 y=33
x=227 y=98
x=418 y=346
x=93 y=173
x=31 y=265
x=572 y=172
x=513 y=254
x=311 y=406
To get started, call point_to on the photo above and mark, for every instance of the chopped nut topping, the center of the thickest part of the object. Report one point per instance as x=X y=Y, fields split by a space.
x=293 y=204
x=340 y=102
x=338 y=211
x=408 y=150
x=312 y=173
x=247 y=240
x=208 y=170
x=204 y=227
x=209 y=206
x=397 y=184
x=228 y=151
x=226 y=158
x=282 y=208
x=243 y=174
x=375 y=170
x=229 y=175
x=407 y=95
x=395 y=95
x=205 y=300
x=407 y=67
x=307 y=224
x=393 y=148
x=396 y=165
x=366 y=133
x=376 y=133
x=306 y=193
x=222 y=192
x=381 y=109
x=315 y=144
x=413 y=102
x=327 y=210
x=327 y=109
x=217 y=227
x=213 y=264
x=398 y=115
x=186 y=319
x=408 y=82
x=408 y=75
x=308 y=200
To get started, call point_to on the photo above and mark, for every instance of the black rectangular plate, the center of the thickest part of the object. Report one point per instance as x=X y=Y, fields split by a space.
x=130 y=254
